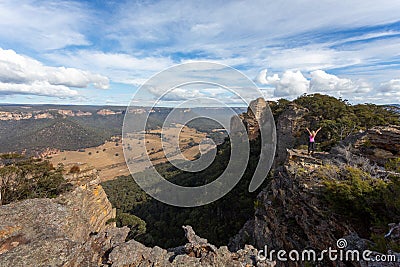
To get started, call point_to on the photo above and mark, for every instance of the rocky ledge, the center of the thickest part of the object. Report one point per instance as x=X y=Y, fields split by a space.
x=55 y=232
x=378 y=144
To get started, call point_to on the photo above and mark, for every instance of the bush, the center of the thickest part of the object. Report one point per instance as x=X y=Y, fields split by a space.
x=393 y=165
x=383 y=245
x=31 y=178
x=10 y=156
x=75 y=169
x=137 y=225
x=362 y=200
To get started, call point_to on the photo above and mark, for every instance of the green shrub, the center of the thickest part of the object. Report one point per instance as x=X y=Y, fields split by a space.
x=137 y=225
x=393 y=165
x=382 y=245
x=31 y=178
x=362 y=200
x=75 y=169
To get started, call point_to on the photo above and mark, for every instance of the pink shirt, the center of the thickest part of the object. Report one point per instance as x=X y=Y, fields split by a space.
x=312 y=138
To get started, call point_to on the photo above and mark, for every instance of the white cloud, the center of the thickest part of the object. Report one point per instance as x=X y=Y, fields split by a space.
x=368 y=36
x=23 y=75
x=262 y=78
x=291 y=84
x=41 y=88
x=179 y=94
x=388 y=92
x=262 y=35
x=43 y=25
x=392 y=86
x=119 y=67
x=323 y=82
x=180 y=21
x=308 y=58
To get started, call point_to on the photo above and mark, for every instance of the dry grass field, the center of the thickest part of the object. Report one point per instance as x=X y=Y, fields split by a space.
x=109 y=159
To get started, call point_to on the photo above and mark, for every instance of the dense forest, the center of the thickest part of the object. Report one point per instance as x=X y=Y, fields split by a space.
x=217 y=221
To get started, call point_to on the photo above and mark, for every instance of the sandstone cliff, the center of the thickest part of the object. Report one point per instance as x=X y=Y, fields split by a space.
x=55 y=232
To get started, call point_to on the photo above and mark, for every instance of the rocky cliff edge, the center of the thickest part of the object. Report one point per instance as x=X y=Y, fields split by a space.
x=74 y=230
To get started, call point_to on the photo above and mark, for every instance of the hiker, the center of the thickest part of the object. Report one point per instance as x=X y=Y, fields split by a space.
x=311 y=143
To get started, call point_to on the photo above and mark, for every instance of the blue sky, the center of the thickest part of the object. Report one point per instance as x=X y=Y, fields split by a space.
x=99 y=52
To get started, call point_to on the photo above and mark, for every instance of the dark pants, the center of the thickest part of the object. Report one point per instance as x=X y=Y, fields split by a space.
x=311 y=147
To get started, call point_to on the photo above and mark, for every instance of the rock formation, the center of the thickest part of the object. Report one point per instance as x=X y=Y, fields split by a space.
x=8 y=116
x=290 y=216
x=106 y=112
x=55 y=232
x=378 y=143
x=198 y=252
x=289 y=128
x=253 y=116
x=288 y=213
x=51 y=114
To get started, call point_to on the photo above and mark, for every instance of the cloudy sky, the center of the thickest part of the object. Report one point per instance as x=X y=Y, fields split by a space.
x=99 y=52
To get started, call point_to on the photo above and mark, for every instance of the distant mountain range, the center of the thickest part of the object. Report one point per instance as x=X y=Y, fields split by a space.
x=394 y=107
